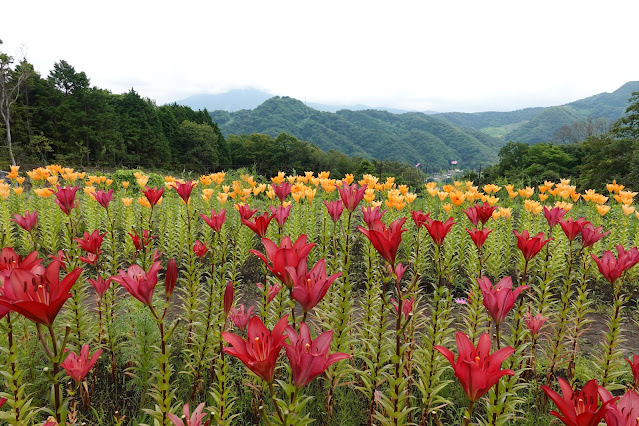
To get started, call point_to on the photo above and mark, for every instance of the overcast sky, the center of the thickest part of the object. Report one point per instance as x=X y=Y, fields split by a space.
x=422 y=55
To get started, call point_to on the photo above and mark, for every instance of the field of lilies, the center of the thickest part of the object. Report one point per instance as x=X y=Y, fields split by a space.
x=293 y=300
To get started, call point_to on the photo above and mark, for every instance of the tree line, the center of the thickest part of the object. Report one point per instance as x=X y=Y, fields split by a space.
x=62 y=118
x=591 y=153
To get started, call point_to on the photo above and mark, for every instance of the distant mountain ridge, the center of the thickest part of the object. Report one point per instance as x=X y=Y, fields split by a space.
x=239 y=99
x=410 y=137
x=533 y=125
x=434 y=140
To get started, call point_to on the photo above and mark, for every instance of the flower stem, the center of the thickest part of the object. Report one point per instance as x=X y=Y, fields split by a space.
x=277 y=407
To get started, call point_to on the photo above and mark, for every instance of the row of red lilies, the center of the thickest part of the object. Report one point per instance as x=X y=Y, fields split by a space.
x=38 y=294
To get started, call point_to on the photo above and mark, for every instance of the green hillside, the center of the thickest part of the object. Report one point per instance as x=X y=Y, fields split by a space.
x=412 y=137
x=533 y=125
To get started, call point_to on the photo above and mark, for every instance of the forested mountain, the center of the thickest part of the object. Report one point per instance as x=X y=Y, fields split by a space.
x=62 y=118
x=533 y=125
x=412 y=137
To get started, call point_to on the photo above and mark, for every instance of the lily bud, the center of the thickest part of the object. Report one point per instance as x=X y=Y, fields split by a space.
x=171 y=278
x=228 y=297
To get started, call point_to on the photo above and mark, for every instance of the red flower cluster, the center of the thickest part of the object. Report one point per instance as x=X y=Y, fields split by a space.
x=309 y=358
x=528 y=245
x=288 y=257
x=612 y=267
x=385 y=240
x=26 y=222
x=65 y=198
x=78 y=366
x=153 y=195
x=479 y=236
x=38 y=297
x=216 y=220
x=579 y=408
x=139 y=282
x=476 y=368
x=184 y=190
x=282 y=190
x=371 y=214
x=260 y=350
x=103 y=198
x=259 y=225
x=439 y=230
x=480 y=213
x=500 y=299
x=351 y=195
x=335 y=209
x=310 y=288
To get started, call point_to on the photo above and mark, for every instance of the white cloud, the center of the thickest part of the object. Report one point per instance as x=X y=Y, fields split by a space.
x=460 y=55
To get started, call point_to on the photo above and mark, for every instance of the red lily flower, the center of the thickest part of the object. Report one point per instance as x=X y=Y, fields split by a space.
x=407 y=306
x=194 y=419
x=229 y=294
x=199 y=248
x=335 y=209
x=216 y=220
x=371 y=214
x=26 y=222
x=272 y=291
x=287 y=255
x=140 y=283
x=351 y=195
x=535 y=323
x=310 y=288
x=260 y=350
x=398 y=272
x=78 y=366
x=2 y=401
x=153 y=194
x=65 y=198
x=634 y=366
x=61 y=257
x=476 y=368
x=420 y=218
x=246 y=212
x=91 y=242
x=500 y=299
x=479 y=213
x=260 y=224
x=554 y=215
x=479 y=236
x=280 y=214
x=100 y=284
x=138 y=242
x=528 y=245
x=10 y=260
x=572 y=227
x=240 y=317
x=590 y=235
x=578 y=408
x=385 y=240
x=625 y=413
x=439 y=230
x=184 y=190
x=612 y=268
x=309 y=358
x=170 y=278
x=38 y=297
x=282 y=190
x=103 y=198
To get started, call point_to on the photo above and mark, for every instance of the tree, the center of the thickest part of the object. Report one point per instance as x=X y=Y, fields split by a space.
x=628 y=125
x=580 y=130
x=197 y=146
x=11 y=81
